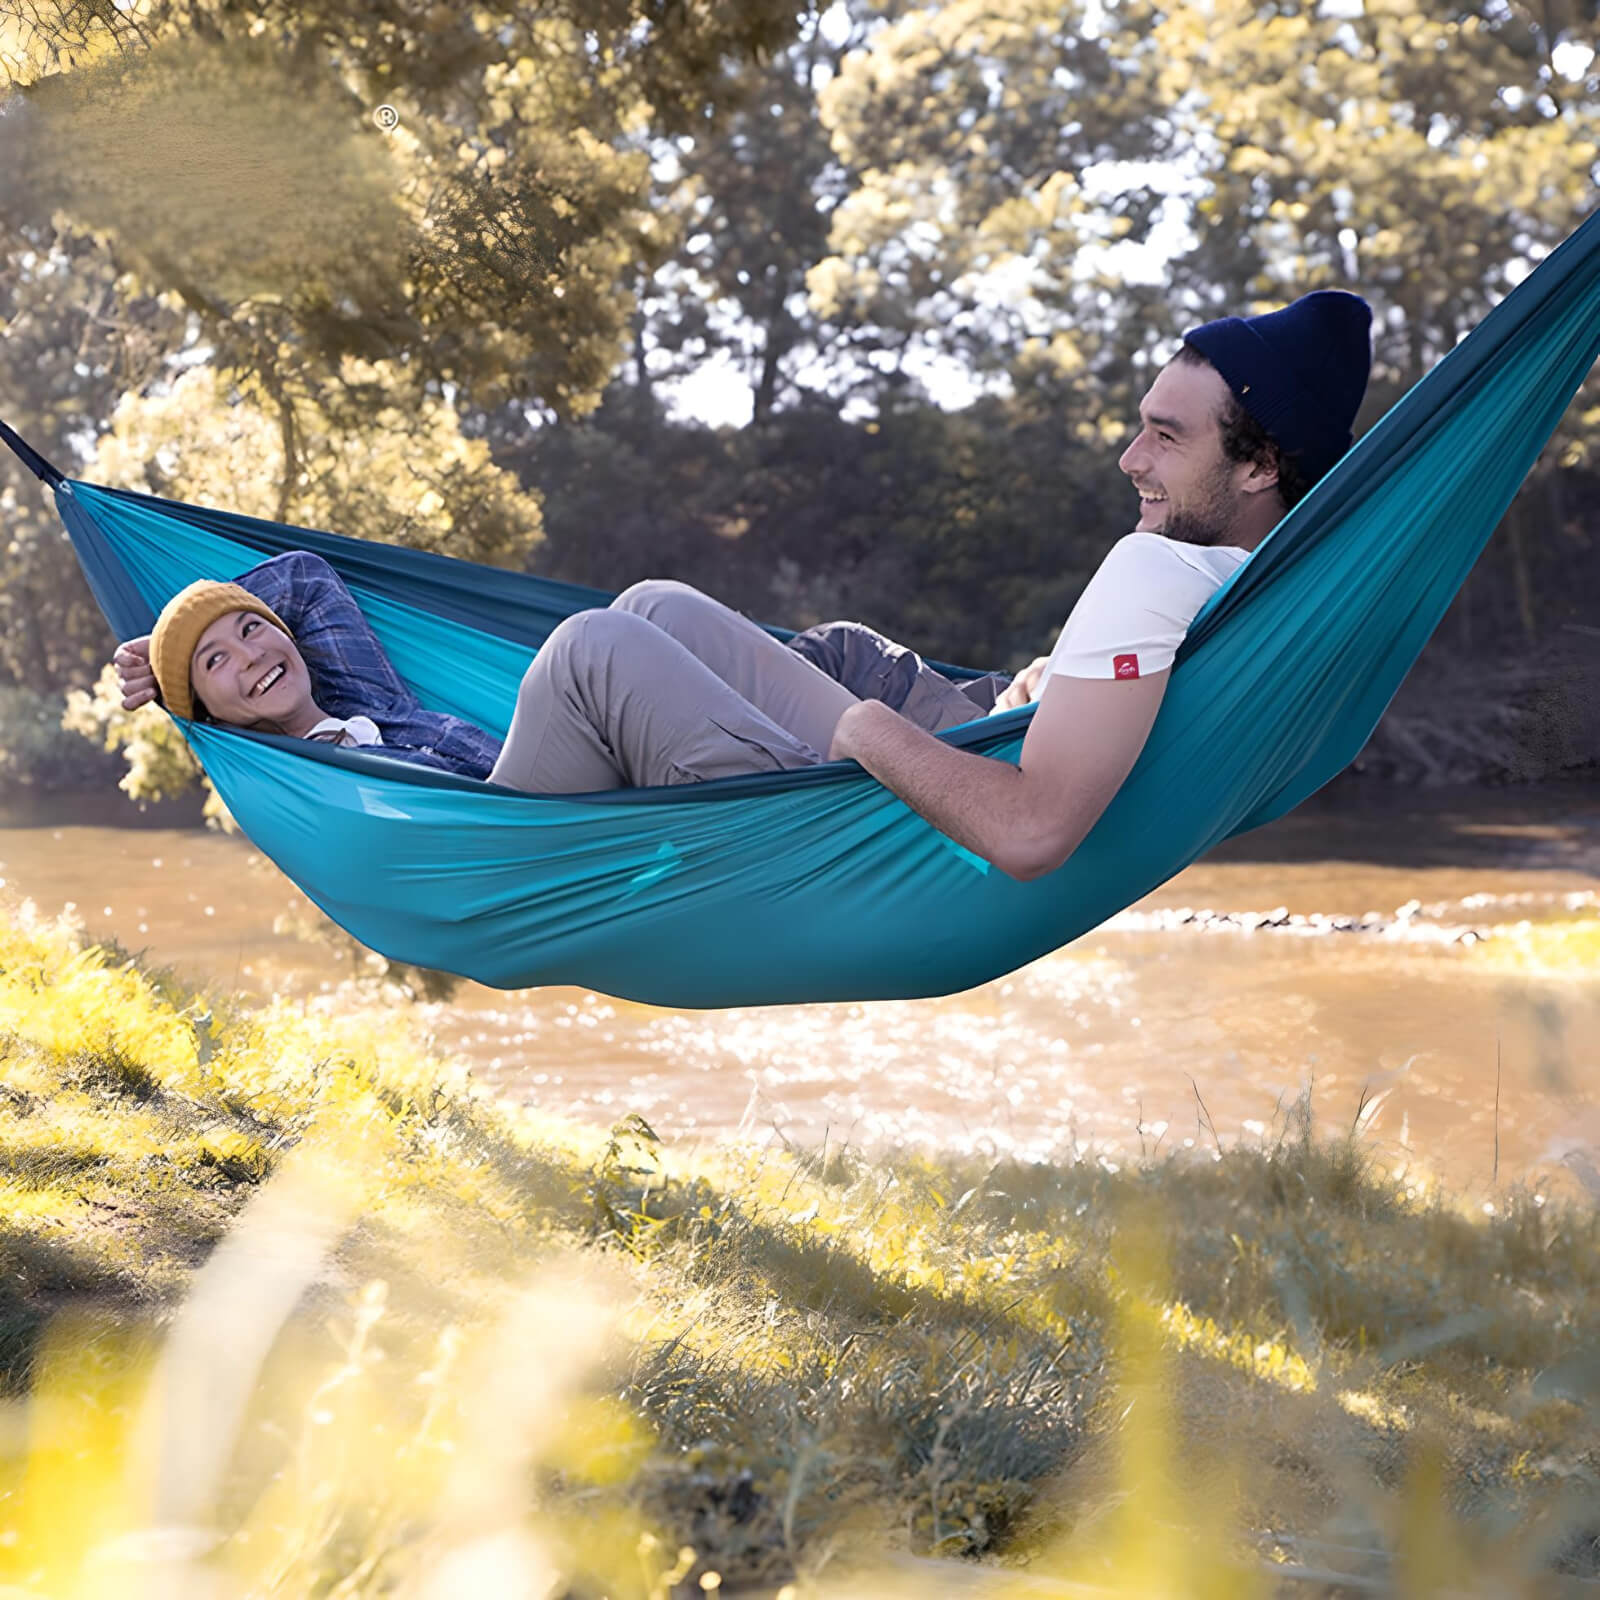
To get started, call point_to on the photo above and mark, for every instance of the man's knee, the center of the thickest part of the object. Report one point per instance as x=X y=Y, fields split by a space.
x=582 y=638
x=660 y=600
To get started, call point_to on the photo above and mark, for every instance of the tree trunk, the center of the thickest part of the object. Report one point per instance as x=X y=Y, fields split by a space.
x=1553 y=488
x=775 y=349
x=641 y=370
x=291 y=449
x=1516 y=531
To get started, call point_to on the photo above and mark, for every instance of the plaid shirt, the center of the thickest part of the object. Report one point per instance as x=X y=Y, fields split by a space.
x=350 y=674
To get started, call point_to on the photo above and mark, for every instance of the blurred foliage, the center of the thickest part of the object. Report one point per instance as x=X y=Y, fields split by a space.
x=952 y=531
x=75 y=336
x=751 y=203
x=186 y=183
x=968 y=129
x=39 y=755
x=158 y=761
x=1425 y=156
x=371 y=452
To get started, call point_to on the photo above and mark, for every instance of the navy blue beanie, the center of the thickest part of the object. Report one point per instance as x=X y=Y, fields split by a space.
x=1300 y=372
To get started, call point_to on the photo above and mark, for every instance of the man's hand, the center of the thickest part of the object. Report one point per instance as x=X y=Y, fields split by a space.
x=1022 y=688
x=844 y=730
x=132 y=661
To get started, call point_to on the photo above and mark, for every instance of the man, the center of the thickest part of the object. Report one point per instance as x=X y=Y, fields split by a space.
x=1235 y=430
x=668 y=686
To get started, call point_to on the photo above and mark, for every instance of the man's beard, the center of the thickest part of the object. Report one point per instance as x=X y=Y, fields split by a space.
x=1208 y=520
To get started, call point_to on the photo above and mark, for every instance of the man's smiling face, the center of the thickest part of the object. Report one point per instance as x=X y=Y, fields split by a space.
x=250 y=675
x=1187 y=485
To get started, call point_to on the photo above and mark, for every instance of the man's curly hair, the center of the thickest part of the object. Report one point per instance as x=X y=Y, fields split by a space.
x=1244 y=439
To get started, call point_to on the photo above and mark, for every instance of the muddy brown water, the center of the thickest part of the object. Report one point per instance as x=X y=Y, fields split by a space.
x=1401 y=951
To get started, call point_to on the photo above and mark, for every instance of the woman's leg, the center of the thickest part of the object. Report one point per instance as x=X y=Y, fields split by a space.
x=872 y=667
x=612 y=700
x=778 y=681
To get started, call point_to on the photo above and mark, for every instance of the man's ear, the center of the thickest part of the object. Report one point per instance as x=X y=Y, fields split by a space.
x=1261 y=475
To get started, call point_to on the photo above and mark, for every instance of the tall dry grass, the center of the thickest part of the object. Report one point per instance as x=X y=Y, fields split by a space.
x=290 y=1308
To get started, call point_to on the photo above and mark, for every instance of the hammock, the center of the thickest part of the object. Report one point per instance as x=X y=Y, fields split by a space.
x=821 y=884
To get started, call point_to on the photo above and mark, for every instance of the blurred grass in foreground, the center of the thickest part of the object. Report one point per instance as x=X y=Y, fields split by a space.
x=291 y=1308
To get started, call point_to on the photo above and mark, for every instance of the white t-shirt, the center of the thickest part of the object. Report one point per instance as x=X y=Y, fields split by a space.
x=1132 y=616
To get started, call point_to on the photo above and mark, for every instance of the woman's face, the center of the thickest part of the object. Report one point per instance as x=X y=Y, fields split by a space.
x=250 y=674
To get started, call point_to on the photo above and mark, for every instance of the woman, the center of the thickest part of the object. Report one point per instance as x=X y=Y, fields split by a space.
x=665 y=686
x=287 y=650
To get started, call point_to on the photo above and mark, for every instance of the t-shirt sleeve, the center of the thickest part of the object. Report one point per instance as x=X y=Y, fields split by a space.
x=1133 y=614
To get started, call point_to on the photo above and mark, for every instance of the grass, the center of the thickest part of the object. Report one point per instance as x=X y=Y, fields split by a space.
x=291 y=1308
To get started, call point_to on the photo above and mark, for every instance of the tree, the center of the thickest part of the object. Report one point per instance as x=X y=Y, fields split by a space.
x=75 y=334
x=968 y=129
x=754 y=196
x=357 y=291
x=1425 y=156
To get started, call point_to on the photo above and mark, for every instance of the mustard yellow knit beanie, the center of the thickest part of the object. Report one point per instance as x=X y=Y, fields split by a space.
x=183 y=619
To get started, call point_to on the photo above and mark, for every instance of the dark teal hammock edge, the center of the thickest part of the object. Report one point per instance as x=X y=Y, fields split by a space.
x=822 y=885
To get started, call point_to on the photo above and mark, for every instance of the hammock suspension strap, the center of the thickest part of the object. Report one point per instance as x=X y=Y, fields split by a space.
x=31 y=458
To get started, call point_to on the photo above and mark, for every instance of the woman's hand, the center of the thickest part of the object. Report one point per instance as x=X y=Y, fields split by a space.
x=1020 y=691
x=132 y=661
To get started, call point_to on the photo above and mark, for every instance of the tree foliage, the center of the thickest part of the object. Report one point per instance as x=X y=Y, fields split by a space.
x=1424 y=155
x=356 y=292
x=968 y=128
x=222 y=279
x=753 y=198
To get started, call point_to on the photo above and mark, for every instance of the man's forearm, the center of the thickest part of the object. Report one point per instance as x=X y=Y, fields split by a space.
x=981 y=803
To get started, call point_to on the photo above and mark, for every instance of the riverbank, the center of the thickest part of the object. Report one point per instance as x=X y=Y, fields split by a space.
x=415 y=1337
x=1436 y=957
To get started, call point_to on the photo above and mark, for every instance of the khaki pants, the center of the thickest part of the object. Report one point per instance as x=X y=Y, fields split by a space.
x=668 y=686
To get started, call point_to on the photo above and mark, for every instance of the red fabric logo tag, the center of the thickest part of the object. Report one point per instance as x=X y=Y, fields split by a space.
x=1125 y=666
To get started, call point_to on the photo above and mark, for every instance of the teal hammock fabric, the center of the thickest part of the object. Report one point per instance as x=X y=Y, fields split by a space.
x=820 y=884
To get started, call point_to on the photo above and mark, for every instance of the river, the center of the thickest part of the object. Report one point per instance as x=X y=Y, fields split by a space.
x=1423 y=956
